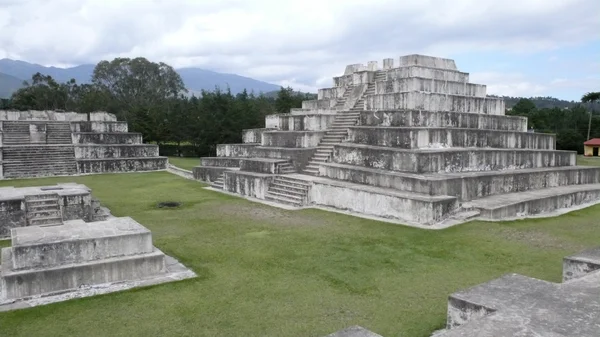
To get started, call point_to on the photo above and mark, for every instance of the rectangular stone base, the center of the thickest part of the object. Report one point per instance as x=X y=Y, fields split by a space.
x=19 y=284
x=262 y=165
x=116 y=165
x=77 y=242
x=249 y=184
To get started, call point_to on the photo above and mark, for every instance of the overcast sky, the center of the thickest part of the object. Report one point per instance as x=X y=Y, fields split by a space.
x=516 y=47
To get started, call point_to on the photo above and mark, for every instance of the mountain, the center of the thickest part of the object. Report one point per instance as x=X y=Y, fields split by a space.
x=195 y=79
x=9 y=84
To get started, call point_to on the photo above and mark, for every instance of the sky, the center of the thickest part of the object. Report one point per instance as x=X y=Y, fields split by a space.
x=515 y=47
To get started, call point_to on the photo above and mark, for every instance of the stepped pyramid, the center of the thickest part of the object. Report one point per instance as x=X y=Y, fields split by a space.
x=50 y=143
x=414 y=142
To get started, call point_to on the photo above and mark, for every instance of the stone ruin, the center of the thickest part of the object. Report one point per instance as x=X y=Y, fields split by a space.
x=412 y=142
x=516 y=305
x=49 y=143
x=64 y=245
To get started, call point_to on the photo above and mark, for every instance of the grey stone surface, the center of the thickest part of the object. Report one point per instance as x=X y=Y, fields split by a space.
x=515 y=305
x=581 y=264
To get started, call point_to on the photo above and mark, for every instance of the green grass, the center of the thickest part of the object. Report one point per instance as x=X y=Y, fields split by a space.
x=588 y=161
x=186 y=163
x=264 y=271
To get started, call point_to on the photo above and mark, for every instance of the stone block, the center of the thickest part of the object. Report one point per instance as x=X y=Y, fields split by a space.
x=397 y=85
x=292 y=139
x=220 y=161
x=449 y=160
x=115 y=165
x=102 y=151
x=262 y=165
x=430 y=73
x=581 y=264
x=427 y=61
x=301 y=122
x=316 y=104
x=250 y=184
x=107 y=138
x=435 y=102
x=234 y=150
x=388 y=64
x=78 y=242
x=99 y=126
x=298 y=156
x=254 y=135
x=442 y=119
x=209 y=173
x=381 y=202
x=426 y=137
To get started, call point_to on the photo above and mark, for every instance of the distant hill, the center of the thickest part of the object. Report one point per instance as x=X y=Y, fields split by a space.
x=195 y=79
x=9 y=84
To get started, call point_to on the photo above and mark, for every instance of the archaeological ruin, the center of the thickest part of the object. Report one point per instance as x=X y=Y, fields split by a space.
x=516 y=305
x=412 y=142
x=65 y=245
x=49 y=143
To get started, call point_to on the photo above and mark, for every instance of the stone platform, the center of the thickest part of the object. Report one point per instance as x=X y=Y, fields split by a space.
x=44 y=263
x=411 y=142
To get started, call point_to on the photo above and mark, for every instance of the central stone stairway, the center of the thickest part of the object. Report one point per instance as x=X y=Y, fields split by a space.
x=289 y=191
x=43 y=210
x=38 y=161
x=58 y=133
x=218 y=184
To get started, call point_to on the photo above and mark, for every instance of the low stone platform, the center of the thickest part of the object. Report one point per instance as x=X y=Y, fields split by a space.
x=49 y=261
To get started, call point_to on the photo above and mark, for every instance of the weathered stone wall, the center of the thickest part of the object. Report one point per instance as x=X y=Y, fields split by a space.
x=107 y=138
x=89 y=166
x=315 y=104
x=115 y=151
x=102 y=127
x=292 y=139
x=329 y=93
x=435 y=102
x=437 y=74
x=35 y=115
x=449 y=160
x=261 y=165
x=464 y=186
x=220 y=161
x=388 y=204
x=248 y=184
x=414 y=138
x=208 y=173
x=304 y=122
x=440 y=119
x=234 y=150
x=429 y=85
x=254 y=135
x=426 y=61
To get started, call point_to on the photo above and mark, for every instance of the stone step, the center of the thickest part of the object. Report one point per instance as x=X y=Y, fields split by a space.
x=516 y=205
x=283 y=199
x=287 y=191
x=39 y=207
x=45 y=220
x=290 y=184
x=48 y=213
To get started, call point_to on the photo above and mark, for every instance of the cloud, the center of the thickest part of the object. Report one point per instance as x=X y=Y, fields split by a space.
x=281 y=41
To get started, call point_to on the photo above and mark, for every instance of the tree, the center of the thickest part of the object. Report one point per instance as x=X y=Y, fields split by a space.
x=137 y=84
x=524 y=107
x=590 y=97
x=284 y=101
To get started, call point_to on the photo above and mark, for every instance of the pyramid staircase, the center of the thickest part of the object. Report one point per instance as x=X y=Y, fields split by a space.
x=58 y=133
x=289 y=191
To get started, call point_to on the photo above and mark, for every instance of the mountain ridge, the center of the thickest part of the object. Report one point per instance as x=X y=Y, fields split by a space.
x=195 y=79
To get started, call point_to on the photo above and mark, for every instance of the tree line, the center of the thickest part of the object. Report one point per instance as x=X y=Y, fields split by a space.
x=572 y=126
x=153 y=100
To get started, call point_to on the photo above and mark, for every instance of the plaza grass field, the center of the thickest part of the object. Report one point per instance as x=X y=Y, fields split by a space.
x=264 y=271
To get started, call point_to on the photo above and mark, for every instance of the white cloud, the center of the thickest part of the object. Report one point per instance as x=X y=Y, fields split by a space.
x=300 y=42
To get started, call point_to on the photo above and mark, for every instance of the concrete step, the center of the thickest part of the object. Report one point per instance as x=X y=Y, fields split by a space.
x=290 y=184
x=273 y=188
x=39 y=214
x=543 y=201
x=282 y=199
x=37 y=207
x=48 y=220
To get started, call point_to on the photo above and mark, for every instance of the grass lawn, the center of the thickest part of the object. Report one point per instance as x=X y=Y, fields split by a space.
x=186 y=163
x=264 y=271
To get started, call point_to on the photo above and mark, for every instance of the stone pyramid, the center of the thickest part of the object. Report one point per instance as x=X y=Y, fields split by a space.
x=414 y=142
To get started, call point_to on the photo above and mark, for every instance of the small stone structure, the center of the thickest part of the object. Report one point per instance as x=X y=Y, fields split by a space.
x=413 y=142
x=516 y=305
x=77 y=258
x=47 y=205
x=48 y=143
